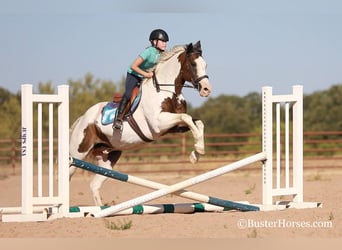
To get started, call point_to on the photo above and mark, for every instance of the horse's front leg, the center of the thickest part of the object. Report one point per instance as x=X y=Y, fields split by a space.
x=196 y=128
x=199 y=145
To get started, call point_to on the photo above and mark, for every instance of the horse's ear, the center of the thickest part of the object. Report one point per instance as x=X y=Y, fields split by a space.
x=198 y=45
x=189 y=48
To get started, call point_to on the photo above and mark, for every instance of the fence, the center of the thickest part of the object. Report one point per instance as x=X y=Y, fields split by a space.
x=319 y=146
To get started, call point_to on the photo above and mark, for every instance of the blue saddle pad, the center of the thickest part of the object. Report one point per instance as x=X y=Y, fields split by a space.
x=108 y=111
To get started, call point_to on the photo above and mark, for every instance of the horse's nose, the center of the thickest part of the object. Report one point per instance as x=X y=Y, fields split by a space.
x=205 y=92
x=205 y=89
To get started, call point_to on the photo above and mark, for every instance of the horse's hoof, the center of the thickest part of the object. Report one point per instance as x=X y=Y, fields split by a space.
x=194 y=157
x=199 y=149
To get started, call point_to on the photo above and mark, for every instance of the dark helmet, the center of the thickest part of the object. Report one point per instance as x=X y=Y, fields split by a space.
x=159 y=34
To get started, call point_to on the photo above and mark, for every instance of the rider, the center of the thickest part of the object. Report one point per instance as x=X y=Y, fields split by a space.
x=139 y=70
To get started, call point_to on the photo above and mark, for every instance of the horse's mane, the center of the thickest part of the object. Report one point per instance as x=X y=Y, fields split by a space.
x=166 y=55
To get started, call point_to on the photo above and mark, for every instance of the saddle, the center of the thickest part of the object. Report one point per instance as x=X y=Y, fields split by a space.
x=109 y=110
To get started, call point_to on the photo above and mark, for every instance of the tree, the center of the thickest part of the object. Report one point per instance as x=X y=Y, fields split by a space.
x=322 y=110
x=4 y=95
x=10 y=114
x=230 y=114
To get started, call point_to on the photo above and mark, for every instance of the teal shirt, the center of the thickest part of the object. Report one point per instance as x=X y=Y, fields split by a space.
x=150 y=56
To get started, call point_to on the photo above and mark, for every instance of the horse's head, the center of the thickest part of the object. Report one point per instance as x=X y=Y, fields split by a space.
x=193 y=68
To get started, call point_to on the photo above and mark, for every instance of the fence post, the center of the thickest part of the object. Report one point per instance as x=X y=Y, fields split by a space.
x=63 y=148
x=26 y=149
x=267 y=145
x=298 y=143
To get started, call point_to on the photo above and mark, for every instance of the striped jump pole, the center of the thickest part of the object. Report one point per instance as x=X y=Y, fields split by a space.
x=180 y=208
x=155 y=185
x=181 y=185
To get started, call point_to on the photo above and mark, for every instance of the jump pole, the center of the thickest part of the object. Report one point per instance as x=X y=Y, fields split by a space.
x=181 y=185
x=155 y=185
x=180 y=208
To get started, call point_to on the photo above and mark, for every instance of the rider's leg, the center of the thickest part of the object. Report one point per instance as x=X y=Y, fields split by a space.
x=120 y=113
x=131 y=82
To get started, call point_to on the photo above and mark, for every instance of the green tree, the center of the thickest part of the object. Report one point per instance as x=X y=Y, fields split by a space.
x=322 y=110
x=10 y=114
x=230 y=114
x=4 y=95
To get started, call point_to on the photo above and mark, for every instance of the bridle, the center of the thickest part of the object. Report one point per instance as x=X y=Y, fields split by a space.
x=195 y=82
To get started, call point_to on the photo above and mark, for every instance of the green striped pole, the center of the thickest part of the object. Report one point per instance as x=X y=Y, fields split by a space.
x=181 y=208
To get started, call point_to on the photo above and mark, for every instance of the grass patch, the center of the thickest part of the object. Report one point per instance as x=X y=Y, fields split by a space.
x=122 y=225
x=250 y=189
x=252 y=234
x=317 y=177
x=331 y=216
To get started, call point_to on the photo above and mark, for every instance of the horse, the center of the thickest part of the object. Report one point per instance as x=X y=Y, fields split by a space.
x=161 y=109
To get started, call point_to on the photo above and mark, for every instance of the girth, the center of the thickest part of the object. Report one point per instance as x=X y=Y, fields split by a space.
x=134 y=125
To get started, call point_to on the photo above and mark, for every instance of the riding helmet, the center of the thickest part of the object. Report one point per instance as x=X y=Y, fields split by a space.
x=159 y=34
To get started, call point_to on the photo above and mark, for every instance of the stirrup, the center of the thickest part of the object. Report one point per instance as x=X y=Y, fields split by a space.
x=117 y=124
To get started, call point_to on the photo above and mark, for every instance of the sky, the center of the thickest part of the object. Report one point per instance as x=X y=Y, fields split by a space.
x=246 y=44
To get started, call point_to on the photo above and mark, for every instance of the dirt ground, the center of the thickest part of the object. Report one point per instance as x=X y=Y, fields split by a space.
x=319 y=186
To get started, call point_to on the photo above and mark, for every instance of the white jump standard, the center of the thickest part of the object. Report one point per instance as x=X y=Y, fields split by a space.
x=293 y=180
x=49 y=196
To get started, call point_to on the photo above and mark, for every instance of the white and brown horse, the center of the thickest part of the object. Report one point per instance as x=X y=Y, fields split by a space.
x=161 y=109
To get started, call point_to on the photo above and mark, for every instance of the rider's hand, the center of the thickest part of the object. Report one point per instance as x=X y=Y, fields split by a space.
x=148 y=74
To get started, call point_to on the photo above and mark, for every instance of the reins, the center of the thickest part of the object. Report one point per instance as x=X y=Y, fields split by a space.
x=157 y=85
x=195 y=84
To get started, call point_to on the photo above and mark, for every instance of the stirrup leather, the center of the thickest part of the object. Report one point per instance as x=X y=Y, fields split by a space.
x=117 y=124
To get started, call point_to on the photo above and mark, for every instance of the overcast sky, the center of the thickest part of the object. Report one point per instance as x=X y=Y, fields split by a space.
x=247 y=44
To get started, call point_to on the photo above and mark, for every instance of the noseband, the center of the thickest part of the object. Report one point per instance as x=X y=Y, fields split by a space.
x=196 y=82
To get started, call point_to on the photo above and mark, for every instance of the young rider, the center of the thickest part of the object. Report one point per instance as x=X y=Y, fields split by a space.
x=139 y=70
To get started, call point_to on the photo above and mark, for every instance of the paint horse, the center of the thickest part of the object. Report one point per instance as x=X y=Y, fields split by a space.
x=161 y=109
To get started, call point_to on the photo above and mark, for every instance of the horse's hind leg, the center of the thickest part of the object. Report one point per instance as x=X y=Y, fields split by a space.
x=105 y=161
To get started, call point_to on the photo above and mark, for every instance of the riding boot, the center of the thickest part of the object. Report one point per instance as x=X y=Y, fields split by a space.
x=117 y=124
